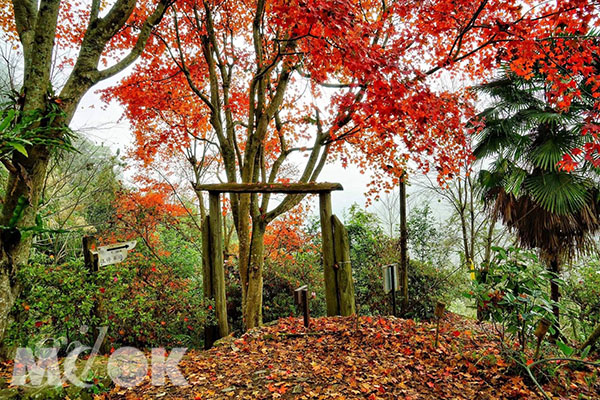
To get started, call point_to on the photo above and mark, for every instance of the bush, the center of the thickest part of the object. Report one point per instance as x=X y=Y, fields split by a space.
x=56 y=301
x=142 y=303
x=146 y=304
x=581 y=298
x=515 y=295
x=281 y=279
x=426 y=286
x=370 y=249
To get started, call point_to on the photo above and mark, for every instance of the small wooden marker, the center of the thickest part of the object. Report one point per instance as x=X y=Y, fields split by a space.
x=439 y=313
x=301 y=300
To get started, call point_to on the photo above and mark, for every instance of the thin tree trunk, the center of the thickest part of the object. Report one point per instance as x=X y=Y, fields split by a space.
x=469 y=199
x=592 y=339
x=254 y=293
x=403 y=244
x=485 y=265
x=555 y=297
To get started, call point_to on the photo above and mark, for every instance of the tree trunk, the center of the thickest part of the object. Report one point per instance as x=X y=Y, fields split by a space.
x=555 y=297
x=485 y=265
x=254 y=292
x=9 y=291
x=403 y=245
x=592 y=339
x=22 y=190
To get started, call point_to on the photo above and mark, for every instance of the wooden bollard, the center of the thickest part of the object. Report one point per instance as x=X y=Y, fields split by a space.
x=439 y=313
x=301 y=300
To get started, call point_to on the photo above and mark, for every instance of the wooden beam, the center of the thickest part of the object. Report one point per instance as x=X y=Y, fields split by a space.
x=311 y=187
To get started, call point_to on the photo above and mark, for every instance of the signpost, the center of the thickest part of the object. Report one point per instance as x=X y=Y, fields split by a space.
x=391 y=282
x=114 y=253
x=301 y=300
x=96 y=257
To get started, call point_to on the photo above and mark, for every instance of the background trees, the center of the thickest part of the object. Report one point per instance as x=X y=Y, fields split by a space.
x=526 y=136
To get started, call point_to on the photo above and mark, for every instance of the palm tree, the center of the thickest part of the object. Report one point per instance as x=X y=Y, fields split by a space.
x=524 y=137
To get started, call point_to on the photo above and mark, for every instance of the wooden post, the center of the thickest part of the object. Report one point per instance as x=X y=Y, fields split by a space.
x=331 y=292
x=92 y=264
x=439 y=313
x=301 y=300
x=343 y=268
x=211 y=331
x=216 y=262
x=89 y=258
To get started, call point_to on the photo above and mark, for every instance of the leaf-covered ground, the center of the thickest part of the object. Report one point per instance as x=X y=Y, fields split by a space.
x=342 y=358
x=345 y=358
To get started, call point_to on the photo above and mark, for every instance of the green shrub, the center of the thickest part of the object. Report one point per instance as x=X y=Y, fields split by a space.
x=143 y=304
x=426 y=286
x=581 y=298
x=370 y=249
x=515 y=295
x=56 y=301
x=282 y=278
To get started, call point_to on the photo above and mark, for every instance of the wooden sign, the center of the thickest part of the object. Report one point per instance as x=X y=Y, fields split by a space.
x=114 y=253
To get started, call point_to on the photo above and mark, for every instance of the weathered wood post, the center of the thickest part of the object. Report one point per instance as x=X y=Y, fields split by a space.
x=331 y=291
x=343 y=268
x=339 y=287
x=301 y=300
x=211 y=331
x=213 y=269
x=90 y=259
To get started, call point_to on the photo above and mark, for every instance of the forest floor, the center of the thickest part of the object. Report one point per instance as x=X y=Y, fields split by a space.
x=373 y=358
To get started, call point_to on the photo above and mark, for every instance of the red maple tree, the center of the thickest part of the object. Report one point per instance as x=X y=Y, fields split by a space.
x=260 y=81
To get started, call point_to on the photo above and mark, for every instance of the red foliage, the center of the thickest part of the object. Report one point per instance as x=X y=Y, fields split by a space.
x=138 y=213
x=285 y=236
x=378 y=65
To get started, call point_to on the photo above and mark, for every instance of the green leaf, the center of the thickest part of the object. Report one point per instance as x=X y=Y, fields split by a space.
x=7 y=120
x=566 y=350
x=18 y=147
x=586 y=351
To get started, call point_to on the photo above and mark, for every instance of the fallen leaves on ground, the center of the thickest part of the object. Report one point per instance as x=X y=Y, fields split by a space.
x=373 y=358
